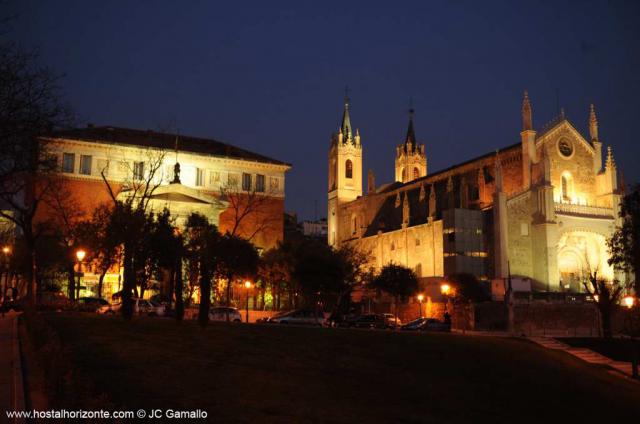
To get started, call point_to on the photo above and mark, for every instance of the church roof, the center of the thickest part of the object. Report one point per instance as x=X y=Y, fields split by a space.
x=161 y=140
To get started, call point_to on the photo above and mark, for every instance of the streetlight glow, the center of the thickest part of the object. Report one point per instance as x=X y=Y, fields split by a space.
x=247 y=284
x=6 y=250
x=420 y=297
x=445 y=288
x=80 y=254
x=629 y=301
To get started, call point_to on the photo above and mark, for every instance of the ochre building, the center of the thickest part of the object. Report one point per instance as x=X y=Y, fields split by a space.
x=540 y=209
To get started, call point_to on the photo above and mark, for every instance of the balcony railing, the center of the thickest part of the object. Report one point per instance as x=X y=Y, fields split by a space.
x=583 y=210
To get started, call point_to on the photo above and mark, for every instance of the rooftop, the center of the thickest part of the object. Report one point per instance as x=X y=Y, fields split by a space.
x=160 y=140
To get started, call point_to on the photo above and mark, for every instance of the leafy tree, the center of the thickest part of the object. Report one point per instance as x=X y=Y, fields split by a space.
x=468 y=288
x=237 y=257
x=275 y=272
x=624 y=245
x=397 y=280
x=607 y=295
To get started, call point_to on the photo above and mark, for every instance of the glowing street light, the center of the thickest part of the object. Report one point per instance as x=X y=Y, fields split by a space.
x=80 y=255
x=445 y=289
x=629 y=301
x=420 y=299
x=247 y=285
x=6 y=250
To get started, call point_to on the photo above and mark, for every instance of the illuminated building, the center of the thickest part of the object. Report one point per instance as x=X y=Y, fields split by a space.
x=541 y=208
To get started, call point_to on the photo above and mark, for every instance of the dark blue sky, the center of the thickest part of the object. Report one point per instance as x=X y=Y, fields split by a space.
x=270 y=76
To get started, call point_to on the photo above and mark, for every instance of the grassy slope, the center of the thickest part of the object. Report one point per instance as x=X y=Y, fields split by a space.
x=280 y=373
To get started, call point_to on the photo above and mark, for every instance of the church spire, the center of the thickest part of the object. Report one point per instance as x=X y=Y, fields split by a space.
x=593 y=123
x=410 y=140
x=527 y=120
x=345 y=128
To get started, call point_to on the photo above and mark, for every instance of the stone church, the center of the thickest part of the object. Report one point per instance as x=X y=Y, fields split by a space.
x=540 y=209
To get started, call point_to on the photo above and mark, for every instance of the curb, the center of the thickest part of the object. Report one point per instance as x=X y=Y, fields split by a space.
x=17 y=400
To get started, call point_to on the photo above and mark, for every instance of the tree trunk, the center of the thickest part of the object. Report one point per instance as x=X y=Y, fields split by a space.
x=71 y=290
x=128 y=283
x=100 y=281
x=178 y=289
x=205 y=295
x=605 y=315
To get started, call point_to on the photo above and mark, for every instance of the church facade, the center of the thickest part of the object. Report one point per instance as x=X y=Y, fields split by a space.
x=539 y=210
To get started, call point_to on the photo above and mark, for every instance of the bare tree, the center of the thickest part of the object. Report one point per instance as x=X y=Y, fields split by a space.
x=30 y=107
x=249 y=208
x=607 y=295
x=129 y=215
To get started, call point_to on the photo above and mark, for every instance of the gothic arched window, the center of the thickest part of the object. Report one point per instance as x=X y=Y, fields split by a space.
x=348 y=169
x=567 y=186
x=416 y=173
x=404 y=175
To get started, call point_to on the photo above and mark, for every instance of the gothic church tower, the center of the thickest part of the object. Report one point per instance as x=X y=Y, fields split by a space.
x=345 y=172
x=411 y=161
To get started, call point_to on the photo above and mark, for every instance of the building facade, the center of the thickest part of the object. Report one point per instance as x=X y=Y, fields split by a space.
x=237 y=190
x=539 y=210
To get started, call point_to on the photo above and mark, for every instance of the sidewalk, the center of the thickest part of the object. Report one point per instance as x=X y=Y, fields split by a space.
x=11 y=389
x=586 y=355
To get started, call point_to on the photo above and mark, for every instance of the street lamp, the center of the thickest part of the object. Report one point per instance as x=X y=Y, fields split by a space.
x=629 y=301
x=6 y=250
x=445 y=289
x=247 y=285
x=80 y=254
x=420 y=299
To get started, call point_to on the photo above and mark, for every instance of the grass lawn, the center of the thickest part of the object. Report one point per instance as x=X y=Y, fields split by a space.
x=615 y=348
x=293 y=374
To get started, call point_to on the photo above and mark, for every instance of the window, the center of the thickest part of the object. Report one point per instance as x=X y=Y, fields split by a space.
x=417 y=242
x=68 y=162
x=232 y=180
x=416 y=173
x=404 y=175
x=355 y=225
x=85 y=164
x=275 y=183
x=348 y=169
x=567 y=186
x=246 y=182
x=138 y=170
x=214 y=177
x=199 y=177
x=260 y=183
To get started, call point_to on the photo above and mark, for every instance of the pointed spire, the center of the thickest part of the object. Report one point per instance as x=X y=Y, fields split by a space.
x=398 y=202
x=432 y=200
x=345 y=127
x=410 y=139
x=611 y=163
x=593 y=123
x=405 y=209
x=527 y=119
x=422 y=192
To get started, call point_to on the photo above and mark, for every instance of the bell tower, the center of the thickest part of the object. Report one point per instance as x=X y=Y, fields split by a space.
x=345 y=173
x=411 y=160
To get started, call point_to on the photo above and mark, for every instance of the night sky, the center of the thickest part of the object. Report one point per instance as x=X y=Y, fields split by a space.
x=270 y=76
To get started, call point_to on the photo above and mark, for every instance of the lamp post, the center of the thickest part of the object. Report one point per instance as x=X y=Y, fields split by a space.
x=420 y=299
x=80 y=254
x=445 y=289
x=247 y=285
x=6 y=250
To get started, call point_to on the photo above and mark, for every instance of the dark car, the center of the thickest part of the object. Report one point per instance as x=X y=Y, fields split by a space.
x=427 y=324
x=369 y=321
x=91 y=304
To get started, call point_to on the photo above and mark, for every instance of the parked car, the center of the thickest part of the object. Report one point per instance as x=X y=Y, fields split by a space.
x=392 y=320
x=140 y=307
x=298 y=316
x=91 y=304
x=219 y=313
x=52 y=300
x=427 y=324
x=368 y=321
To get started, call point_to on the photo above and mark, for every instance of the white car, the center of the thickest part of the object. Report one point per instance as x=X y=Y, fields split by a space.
x=219 y=313
x=140 y=307
x=299 y=316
